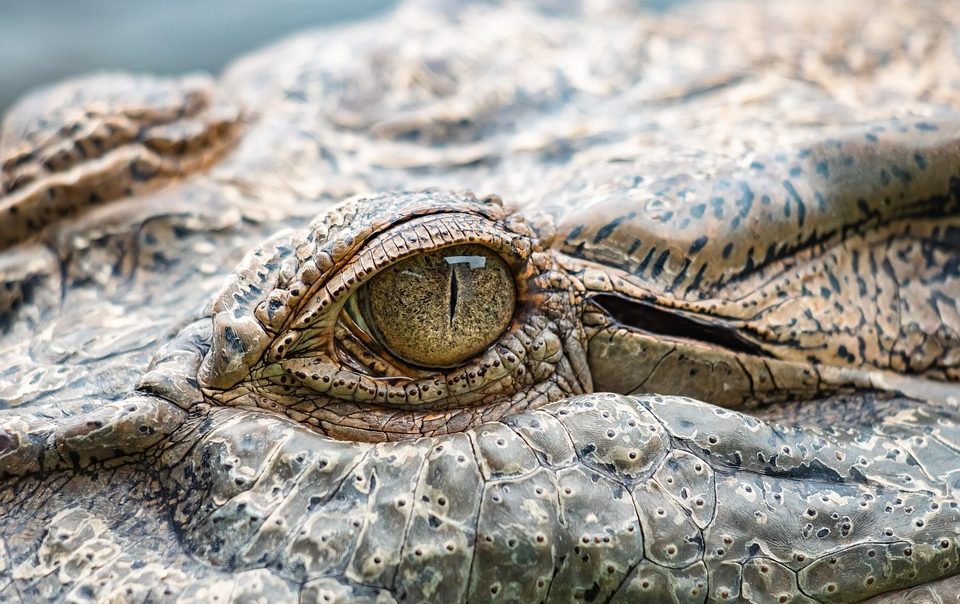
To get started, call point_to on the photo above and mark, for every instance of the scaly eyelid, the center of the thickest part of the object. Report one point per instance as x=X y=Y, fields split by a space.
x=316 y=315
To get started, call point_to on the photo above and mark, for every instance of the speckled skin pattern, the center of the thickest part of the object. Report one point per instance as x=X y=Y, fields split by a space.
x=732 y=374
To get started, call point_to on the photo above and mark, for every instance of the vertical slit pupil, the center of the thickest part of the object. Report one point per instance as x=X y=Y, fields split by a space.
x=404 y=309
x=453 y=293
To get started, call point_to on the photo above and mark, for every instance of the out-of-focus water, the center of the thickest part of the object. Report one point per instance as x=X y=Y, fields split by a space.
x=42 y=41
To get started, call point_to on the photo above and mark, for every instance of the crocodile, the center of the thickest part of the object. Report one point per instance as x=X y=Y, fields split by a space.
x=526 y=302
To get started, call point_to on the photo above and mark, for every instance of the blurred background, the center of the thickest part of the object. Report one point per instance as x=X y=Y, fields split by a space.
x=47 y=40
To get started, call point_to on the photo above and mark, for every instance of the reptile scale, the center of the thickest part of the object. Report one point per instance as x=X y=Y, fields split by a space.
x=483 y=302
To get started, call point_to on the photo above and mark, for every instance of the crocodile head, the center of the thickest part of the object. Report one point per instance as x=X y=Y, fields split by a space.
x=649 y=369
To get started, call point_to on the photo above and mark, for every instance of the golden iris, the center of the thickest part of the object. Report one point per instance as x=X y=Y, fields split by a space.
x=440 y=308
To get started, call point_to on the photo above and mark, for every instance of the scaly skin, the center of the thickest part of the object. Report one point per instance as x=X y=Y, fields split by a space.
x=731 y=375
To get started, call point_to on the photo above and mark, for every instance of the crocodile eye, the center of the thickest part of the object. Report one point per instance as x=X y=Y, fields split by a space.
x=440 y=308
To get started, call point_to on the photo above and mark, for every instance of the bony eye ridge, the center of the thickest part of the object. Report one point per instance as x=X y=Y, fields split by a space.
x=438 y=309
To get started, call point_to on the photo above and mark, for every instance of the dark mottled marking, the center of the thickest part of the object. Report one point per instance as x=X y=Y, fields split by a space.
x=698 y=244
x=873 y=264
x=834 y=282
x=575 y=232
x=801 y=208
x=846 y=354
x=927 y=252
x=771 y=254
x=727 y=249
x=645 y=261
x=746 y=200
x=809 y=316
x=681 y=276
x=823 y=168
x=717 y=203
x=608 y=229
x=821 y=201
x=926 y=126
x=658 y=265
x=698 y=210
x=634 y=247
x=234 y=341
x=697 y=279
x=274 y=306
x=871 y=137
x=888 y=269
x=796 y=172
x=937 y=298
x=749 y=265
x=904 y=176
x=920 y=160
x=757 y=166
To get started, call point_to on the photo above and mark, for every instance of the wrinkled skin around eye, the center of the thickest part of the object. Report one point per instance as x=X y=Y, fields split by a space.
x=327 y=327
x=439 y=309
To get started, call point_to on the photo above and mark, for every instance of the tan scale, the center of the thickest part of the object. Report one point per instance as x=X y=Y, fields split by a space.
x=711 y=355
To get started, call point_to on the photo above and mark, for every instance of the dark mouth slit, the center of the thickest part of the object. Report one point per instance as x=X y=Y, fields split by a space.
x=655 y=320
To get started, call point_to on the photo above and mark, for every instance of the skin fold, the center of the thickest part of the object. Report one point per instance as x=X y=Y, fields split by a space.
x=730 y=239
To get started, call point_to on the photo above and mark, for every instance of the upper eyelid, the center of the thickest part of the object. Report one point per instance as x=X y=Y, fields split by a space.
x=315 y=310
x=345 y=280
x=254 y=310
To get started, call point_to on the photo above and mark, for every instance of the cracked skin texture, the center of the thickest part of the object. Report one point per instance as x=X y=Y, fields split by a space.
x=730 y=373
